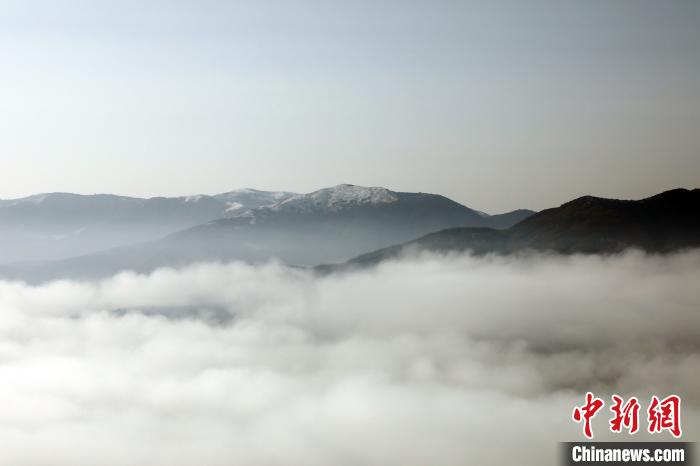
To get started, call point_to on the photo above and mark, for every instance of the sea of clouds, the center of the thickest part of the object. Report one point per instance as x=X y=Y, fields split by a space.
x=428 y=360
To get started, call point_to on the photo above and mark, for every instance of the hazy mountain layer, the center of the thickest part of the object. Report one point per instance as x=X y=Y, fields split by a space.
x=60 y=225
x=327 y=225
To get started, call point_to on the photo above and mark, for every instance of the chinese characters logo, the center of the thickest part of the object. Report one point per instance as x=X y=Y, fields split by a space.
x=662 y=414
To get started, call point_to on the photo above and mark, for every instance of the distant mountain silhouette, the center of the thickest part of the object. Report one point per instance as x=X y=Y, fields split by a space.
x=507 y=220
x=59 y=225
x=328 y=225
x=663 y=223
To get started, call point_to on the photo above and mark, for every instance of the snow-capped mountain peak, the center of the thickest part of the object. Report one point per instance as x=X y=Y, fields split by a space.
x=338 y=198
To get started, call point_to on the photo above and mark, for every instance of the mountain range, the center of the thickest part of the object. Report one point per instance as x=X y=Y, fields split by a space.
x=663 y=223
x=105 y=234
x=61 y=225
x=328 y=225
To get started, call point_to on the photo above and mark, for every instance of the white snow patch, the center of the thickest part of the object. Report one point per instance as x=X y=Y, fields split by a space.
x=338 y=198
x=233 y=206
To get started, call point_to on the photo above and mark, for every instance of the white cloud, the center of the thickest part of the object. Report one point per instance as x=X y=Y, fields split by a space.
x=430 y=360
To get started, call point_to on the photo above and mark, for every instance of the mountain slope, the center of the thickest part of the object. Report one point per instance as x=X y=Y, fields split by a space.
x=507 y=220
x=59 y=225
x=663 y=223
x=334 y=223
x=327 y=225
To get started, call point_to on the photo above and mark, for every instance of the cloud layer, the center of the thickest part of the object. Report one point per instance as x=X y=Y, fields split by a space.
x=430 y=360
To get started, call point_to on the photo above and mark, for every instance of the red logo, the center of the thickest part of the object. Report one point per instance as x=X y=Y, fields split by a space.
x=626 y=415
x=662 y=414
x=587 y=412
x=665 y=415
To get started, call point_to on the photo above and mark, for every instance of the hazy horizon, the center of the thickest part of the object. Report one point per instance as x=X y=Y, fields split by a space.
x=497 y=105
x=465 y=203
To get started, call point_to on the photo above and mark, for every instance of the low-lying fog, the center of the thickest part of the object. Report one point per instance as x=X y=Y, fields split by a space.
x=425 y=361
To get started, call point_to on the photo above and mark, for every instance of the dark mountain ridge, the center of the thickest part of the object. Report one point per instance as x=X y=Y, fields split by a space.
x=663 y=223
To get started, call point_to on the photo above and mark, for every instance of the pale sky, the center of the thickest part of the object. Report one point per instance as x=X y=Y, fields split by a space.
x=496 y=104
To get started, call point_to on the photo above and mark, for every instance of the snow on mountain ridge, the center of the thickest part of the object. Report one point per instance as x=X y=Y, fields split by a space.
x=233 y=206
x=338 y=197
x=254 y=192
x=194 y=198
